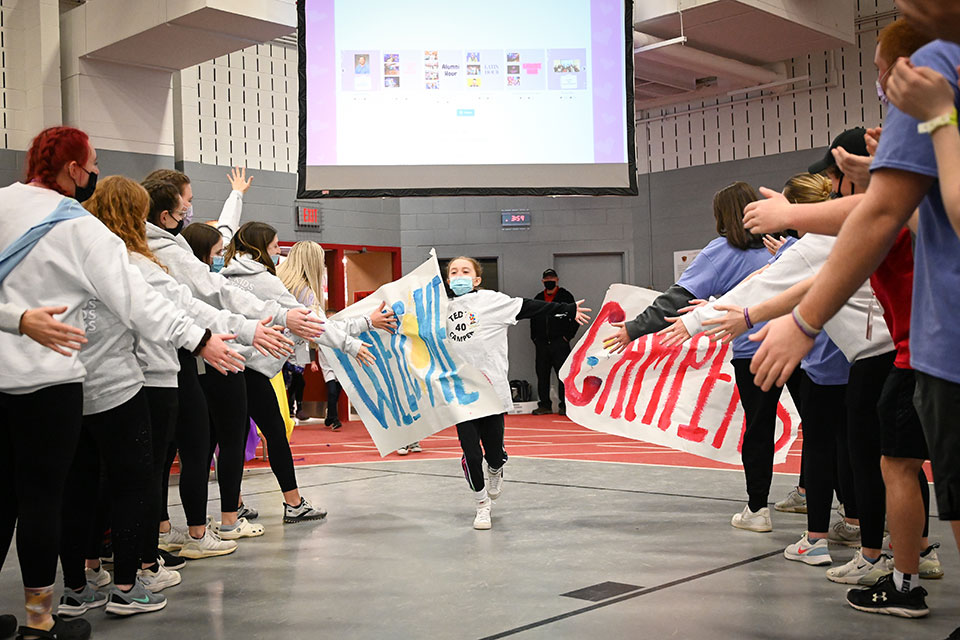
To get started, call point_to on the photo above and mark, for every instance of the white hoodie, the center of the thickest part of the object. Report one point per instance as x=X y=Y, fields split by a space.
x=75 y=261
x=212 y=288
x=247 y=273
x=159 y=360
x=10 y=315
x=847 y=329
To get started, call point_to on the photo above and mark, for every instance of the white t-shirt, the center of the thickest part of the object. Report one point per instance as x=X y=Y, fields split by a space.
x=477 y=324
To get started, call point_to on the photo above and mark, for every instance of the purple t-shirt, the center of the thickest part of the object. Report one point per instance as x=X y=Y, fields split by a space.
x=934 y=330
x=718 y=269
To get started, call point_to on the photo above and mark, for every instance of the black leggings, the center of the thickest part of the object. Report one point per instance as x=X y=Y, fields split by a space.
x=760 y=411
x=265 y=411
x=163 y=420
x=38 y=439
x=120 y=438
x=227 y=400
x=297 y=386
x=333 y=400
x=488 y=431
x=823 y=417
x=867 y=378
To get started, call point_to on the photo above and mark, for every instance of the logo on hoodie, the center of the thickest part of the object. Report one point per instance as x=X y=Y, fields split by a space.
x=89 y=314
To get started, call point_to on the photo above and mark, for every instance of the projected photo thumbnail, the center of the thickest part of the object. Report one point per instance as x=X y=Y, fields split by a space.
x=566 y=66
x=391 y=64
x=361 y=63
x=473 y=57
x=513 y=57
x=473 y=69
x=391 y=82
x=473 y=82
x=513 y=68
x=429 y=56
x=513 y=81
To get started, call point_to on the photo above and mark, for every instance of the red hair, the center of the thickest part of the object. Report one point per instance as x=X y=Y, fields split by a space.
x=53 y=149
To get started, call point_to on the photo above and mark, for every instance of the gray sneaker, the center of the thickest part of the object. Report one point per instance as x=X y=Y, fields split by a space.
x=795 y=502
x=302 y=512
x=843 y=533
x=76 y=604
x=137 y=600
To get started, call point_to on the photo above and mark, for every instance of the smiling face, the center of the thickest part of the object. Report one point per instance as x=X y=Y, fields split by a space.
x=463 y=268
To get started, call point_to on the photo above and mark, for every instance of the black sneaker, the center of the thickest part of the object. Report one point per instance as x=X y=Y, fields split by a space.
x=247 y=512
x=170 y=561
x=562 y=411
x=8 y=626
x=542 y=411
x=955 y=635
x=77 y=629
x=883 y=597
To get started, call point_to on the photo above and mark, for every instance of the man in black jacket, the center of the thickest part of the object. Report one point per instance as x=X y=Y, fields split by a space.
x=551 y=335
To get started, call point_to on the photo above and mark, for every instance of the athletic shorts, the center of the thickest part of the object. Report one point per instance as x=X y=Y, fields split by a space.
x=938 y=404
x=901 y=435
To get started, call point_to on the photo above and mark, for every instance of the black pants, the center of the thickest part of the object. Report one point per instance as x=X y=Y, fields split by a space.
x=297 y=386
x=760 y=412
x=163 y=405
x=227 y=400
x=550 y=357
x=487 y=431
x=938 y=404
x=333 y=399
x=38 y=439
x=867 y=377
x=120 y=439
x=823 y=417
x=265 y=411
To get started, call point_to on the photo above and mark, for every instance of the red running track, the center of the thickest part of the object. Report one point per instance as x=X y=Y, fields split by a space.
x=526 y=436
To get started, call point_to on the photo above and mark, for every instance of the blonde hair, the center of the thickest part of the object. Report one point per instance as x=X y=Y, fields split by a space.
x=805 y=188
x=477 y=267
x=303 y=271
x=122 y=206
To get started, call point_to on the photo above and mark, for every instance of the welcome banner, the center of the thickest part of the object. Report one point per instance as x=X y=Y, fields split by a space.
x=417 y=386
x=684 y=397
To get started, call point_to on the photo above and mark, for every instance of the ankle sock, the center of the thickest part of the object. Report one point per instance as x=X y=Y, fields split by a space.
x=229 y=527
x=871 y=560
x=903 y=581
x=480 y=495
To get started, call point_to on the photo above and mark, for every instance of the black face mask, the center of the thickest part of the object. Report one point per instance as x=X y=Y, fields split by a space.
x=84 y=193
x=550 y=285
x=837 y=194
x=176 y=230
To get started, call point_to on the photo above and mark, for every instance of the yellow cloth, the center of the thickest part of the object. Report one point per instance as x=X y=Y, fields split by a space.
x=281 y=391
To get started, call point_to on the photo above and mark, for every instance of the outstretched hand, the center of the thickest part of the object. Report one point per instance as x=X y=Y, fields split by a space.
x=767 y=216
x=239 y=180
x=728 y=326
x=384 y=319
x=270 y=341
x=40 y=326
x=220 y=356
x=783 y=346
x=619 y=341
x=676 y=333
x=583 y=316
x=364 y=356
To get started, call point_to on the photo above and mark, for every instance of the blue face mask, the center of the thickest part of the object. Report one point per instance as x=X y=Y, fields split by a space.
x=276 y=259
x=461 y=285
x=217 y=264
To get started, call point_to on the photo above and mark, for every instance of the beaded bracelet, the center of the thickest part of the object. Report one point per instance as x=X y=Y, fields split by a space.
x=805 y=326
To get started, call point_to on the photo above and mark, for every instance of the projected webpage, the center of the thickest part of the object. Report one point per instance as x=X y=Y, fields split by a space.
x=435 y=83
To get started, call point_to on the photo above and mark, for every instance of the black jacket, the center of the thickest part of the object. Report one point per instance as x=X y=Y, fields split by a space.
x=546 y=328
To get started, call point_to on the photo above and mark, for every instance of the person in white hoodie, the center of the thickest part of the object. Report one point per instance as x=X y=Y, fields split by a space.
x=52 y=252
x=40 y=326
x=208 y=399
x=250 y=263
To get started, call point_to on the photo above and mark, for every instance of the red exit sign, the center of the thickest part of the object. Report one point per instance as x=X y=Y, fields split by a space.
x=308 y=216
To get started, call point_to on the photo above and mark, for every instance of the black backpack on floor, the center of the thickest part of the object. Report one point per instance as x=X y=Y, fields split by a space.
x=520 y=391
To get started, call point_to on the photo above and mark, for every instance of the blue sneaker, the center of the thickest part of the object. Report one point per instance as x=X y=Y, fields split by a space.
x=76 y=604
x=816 y=553
x=137 y=600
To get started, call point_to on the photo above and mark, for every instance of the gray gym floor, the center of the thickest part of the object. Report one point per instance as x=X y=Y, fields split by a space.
x=398 y=558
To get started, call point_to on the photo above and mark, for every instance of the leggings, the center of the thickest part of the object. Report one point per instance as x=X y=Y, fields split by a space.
x=297 y=385
x=823 y=417
x=265 y=411
x=163 y=420
x=867 y=377
x=38 y=439
x=120 y=437
x=227 y=400
x=760 y=416
x=488 y=431
x=333 y=400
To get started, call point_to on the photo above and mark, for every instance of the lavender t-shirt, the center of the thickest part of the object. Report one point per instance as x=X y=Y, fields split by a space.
x=718 y=269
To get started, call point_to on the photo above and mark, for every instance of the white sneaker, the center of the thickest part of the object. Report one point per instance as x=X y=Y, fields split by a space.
x=174 y=539
x=930 y=568
x=243 y=529
x=816 y=553
x=415 y=447
x=842 y=533
x=97 y=578
x=209 y=546
x=494 y=483
x=861 y=571
x=402 y=451
x=758 y=521
x=482 y=521
x=162 y=579
x=793 y=503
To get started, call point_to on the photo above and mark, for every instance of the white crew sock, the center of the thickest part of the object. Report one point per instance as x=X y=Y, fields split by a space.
x=481 y=495
x=902 y=581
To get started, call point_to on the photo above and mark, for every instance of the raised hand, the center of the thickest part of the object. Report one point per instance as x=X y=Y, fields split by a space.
x=220 y=356
x=773 y=244
x=583 y=316
x=919 y=92
x=364 y=356
x=676 y=333
x=619 y=341
x=303 y=324
x=727 y=327
x=270 y=341
x=767 y=216
x=384 y=319
x=239 y=180
x=40 y=326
